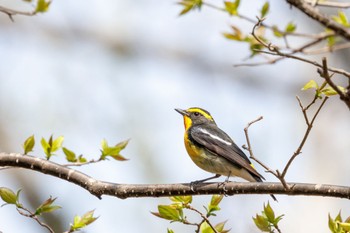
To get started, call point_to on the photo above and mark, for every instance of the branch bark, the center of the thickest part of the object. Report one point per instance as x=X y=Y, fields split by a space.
x=99 y=188
x=313 y=13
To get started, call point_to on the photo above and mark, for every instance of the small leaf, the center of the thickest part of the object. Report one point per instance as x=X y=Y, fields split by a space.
x=81 y=159
x=277 y=32
x=345 y=226
x=181 y=199
x=8 y=196
x=310 y=84
x=262 y=223
x=169 y=212
x=343 y=18
x=70 y=155
x=220 y=226
x=46 y=147
x=29 y=144
x=270 y=214
x=265 y=9
x=46 y=207
x=235 y=35
x=216 y=199
x=189 y=5
x=290 y=27
x=331 y=41
x=329 y=91
x=57 y=144
x=205 y=228
x=42 y=6
x=331 y=223
x=232 y=7
x=170 y=231
x=80 y=222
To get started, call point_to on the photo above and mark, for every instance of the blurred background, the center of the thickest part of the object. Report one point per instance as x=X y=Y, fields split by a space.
x=114 y=70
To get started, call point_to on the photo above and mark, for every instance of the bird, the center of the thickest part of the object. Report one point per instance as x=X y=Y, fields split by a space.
x=212 y=150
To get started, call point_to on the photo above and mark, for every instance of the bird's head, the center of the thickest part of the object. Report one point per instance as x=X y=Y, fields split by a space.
x=195 y=116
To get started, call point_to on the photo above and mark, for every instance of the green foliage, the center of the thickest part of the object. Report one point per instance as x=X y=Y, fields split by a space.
x=71 y=157
x=341 y=19
x=291 y=27
x=324 y=89
x=206 y=228
x=267 y=221
x=51 y=145
x=174 y=212
x=80 y=222
x=9 y=197
x=213 y=206
x=170 y=231
x=42 y=6
x=337 y=225
x=232 y=7
x=29 y=144
x=47 y=207
x=264 y=10
x=113 y=151
x=189 y=5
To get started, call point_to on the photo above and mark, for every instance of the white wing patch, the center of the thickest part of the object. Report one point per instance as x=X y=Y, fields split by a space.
x=215 y=137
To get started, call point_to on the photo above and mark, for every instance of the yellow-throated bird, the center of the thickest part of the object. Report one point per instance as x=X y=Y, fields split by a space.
x=213 y=150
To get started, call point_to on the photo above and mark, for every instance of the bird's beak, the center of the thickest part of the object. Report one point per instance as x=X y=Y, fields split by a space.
x=182 y=112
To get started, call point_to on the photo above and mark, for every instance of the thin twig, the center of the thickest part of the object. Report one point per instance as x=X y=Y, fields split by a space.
x=188 y=206
x=31 y=215
x=307 y=132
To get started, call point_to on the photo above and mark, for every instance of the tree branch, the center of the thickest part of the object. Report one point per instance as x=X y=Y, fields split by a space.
x=322 y=19
x=99 y=188
x=11 y=12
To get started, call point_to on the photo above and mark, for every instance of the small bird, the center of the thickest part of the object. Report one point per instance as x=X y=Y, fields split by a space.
x=213 y=150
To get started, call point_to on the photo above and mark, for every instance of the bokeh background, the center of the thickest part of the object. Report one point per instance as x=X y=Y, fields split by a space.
x=93 y=70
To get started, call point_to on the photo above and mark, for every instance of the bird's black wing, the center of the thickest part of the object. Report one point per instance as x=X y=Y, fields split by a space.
x=219 y=143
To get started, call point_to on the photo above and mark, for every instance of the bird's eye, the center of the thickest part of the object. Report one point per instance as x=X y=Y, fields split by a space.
x=196 y=113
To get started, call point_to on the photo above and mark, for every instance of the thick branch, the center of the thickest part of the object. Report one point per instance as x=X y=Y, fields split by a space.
x=324 y=20
x=99 y=188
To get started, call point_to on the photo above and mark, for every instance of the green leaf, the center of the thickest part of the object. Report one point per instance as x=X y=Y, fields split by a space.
x=205 y=228
x=329 y=91
x=331 y=41
x=169 y=212
x=345 y=226
x=57 y=144
x=46 y=147
x=277 y=32
x=270 y=214
x=82 y=221
x=46 y=207
x=70 y=155
x=265 y=9
x=343 y=19
x=290 y=27
x=181 y=199
x=113 y=151
x=8 y=196
x=262 y=223
x=189 y=5
x=236 y=34
x=220 y=227
x=29 y=144
x=310 y=84
x=232 y=7
x=81 y=159
x=331 y=224
x=216 y=199
x=214 y=205
x=170 y=231
x=42 y=6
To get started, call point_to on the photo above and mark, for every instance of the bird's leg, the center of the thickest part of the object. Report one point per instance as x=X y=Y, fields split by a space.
x=223 y=184
x=194 y=183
